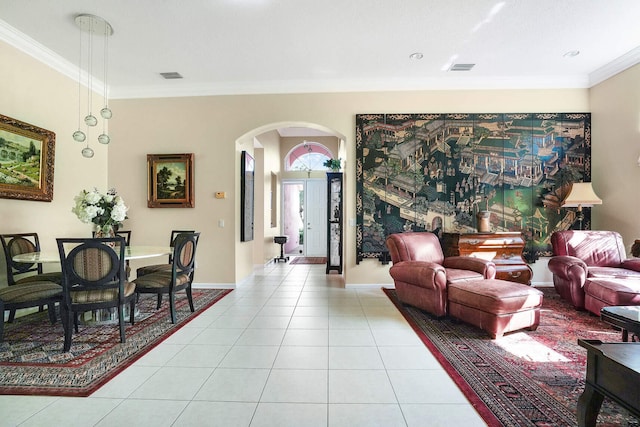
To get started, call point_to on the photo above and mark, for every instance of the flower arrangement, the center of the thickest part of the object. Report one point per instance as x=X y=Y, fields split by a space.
x=106 y=211
x=333 y=164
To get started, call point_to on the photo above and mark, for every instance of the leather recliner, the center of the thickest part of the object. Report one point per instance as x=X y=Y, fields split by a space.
x=421 y=273
x=589 y=255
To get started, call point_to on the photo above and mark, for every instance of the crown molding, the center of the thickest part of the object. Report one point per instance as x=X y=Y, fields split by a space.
x=616 y=66
x=343 y=86
x=45 y=55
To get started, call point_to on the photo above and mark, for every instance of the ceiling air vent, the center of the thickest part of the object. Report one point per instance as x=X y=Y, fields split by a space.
x=172 y=75
x=461 y=67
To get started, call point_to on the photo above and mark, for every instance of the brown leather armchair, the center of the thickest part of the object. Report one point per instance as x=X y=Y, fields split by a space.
x=589 y=254
x=421 y=272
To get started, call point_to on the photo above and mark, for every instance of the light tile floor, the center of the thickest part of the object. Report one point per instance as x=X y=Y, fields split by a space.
x=290 y=347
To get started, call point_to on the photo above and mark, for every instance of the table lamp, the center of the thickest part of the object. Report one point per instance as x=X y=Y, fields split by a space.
x=581 y=195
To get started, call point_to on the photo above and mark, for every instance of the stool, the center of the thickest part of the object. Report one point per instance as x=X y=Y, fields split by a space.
x=281 y=240
x=495 y=306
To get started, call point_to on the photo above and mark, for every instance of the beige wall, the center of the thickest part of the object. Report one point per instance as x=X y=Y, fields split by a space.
x=33 y=93
x=216 y=129
x=615 y=106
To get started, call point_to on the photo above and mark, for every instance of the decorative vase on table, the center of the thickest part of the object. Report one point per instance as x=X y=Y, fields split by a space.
x=105 y=231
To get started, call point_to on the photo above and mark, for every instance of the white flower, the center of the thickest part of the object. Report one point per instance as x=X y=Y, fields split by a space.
x=119 y=213
x=92 y=197
x=103 y=210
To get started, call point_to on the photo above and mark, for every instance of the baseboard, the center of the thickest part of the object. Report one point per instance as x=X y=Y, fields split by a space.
x=213 y=286
x=368 y=285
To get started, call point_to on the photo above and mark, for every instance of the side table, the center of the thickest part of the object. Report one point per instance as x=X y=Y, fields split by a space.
x=503 y=248
x=625 y=317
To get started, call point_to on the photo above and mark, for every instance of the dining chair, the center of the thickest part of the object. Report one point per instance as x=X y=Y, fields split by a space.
x=179 y=278
x=20 y=273
x=126 y=234
x=93 y=277
x=148 y=269
x=27 y=295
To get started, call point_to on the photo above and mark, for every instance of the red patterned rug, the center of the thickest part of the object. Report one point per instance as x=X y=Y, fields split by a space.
x=32 y=361
x=526 y=378
x=309 y=260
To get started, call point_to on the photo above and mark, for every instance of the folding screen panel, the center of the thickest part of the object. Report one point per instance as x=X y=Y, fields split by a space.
x=434 y=172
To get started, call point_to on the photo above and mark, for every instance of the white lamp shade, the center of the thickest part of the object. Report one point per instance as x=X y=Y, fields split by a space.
x=581 y=194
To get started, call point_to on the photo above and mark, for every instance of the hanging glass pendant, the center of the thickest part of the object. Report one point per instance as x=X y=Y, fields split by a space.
x=87 y=152
x=106 y=113
x=104 y=138
x=79 y=136
x=90 y=120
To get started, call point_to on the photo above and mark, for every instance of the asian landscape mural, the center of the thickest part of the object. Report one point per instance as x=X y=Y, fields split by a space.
x=434 y=172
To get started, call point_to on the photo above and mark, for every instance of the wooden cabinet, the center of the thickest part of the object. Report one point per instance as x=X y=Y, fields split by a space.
x=504 y=249
x=334 y=225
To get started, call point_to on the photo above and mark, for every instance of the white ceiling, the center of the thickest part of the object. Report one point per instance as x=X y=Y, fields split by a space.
x=295 y=46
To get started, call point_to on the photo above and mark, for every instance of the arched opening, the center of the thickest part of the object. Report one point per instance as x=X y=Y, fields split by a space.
x=281 y=156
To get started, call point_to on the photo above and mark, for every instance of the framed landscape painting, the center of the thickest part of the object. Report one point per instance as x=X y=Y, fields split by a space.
x=26 y=161
x=170 y=179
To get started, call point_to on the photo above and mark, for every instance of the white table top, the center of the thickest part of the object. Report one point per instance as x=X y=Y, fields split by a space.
x=131 y=252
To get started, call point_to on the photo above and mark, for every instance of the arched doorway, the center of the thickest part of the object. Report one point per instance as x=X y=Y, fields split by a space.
x=304 y=200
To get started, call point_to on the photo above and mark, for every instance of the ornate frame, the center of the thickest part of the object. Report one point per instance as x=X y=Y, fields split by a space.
x=160 y=170
x=30 y=178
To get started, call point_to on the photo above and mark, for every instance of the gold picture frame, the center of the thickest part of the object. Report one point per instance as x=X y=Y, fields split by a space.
x=170 y=180
x=26 y=161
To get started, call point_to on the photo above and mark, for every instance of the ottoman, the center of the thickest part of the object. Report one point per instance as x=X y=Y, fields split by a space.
x=605 y=292
x=495 y=306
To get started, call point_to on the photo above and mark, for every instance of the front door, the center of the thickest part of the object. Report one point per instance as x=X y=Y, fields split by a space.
x=304 y=217
x=316 y=218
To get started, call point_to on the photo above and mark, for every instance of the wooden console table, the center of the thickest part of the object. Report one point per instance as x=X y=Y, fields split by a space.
x=504 y=249
x=613 y=370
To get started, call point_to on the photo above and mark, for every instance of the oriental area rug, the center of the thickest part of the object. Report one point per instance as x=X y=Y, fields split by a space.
x=525 y=378
x=308 y=260
x=32 y=361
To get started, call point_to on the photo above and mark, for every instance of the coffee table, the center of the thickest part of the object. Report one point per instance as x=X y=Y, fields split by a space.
x=613 y=370
x=625 y=317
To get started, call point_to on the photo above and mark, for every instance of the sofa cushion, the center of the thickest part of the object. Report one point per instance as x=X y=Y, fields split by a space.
x=614 y=291
x=612 y=272
x=594 y=247
x=456 y=275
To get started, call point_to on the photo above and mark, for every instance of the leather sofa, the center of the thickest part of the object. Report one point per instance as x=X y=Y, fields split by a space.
x=422 y=273
x=591 y=270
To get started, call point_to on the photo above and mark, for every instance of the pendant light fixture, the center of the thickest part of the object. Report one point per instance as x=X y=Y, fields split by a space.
x=92 y=25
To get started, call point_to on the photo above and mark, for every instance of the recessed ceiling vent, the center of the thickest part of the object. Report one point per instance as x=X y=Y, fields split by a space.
x=461 y=67
x=172 y=75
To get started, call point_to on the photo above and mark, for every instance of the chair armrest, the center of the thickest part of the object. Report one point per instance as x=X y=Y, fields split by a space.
x=568 y=268
x=631 y=264
x=479 y=265
x=420 y=273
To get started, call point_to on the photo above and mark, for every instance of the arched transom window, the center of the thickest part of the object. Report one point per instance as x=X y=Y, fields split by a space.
x=308 y=156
